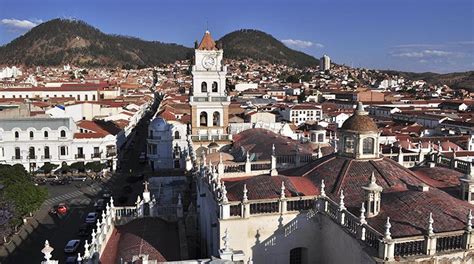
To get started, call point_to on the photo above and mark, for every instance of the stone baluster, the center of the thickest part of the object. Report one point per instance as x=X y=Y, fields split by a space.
x=283 y=200
x=430 y=238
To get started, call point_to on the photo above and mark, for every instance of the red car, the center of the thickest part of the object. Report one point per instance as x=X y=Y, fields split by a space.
x=59 y=210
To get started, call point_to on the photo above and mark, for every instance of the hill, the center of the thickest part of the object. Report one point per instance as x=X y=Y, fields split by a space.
x=63 y=41
x=455 y=80
x=258 y=45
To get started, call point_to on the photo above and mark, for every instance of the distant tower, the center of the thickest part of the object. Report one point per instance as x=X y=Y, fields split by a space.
x=325 y=63
x=209 y=101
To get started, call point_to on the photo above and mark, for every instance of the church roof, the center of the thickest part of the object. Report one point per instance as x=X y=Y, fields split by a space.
x=407 y=206
x=207 y=43
x=360 y=121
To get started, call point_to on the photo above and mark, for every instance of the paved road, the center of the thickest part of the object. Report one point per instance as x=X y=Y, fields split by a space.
x=57 y=230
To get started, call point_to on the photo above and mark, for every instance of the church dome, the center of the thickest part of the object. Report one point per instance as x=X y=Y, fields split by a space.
x=360 y=121
x=159 y=124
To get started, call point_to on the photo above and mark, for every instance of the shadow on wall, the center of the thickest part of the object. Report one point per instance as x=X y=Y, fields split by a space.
x=295 y=242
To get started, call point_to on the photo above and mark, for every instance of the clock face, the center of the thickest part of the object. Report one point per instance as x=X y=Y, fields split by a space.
x=208 y=62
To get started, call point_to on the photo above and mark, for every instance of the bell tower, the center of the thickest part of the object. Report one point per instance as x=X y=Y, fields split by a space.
x=208 y=99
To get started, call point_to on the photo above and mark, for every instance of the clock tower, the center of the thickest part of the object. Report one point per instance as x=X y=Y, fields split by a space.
x=208 y=98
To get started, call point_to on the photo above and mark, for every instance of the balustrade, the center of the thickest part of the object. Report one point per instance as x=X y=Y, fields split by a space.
x=410 y=248
x=448 y=243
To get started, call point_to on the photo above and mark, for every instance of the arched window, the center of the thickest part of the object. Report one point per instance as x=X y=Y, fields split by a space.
x=320 y=137
x=63 y=134
x=32 y=153
x=368 y=146
x=313 y=137
x=32 y=135
x=203 y=119
x=176 y=135
x=348 y=145
x=46 y=152
x=204 y=87
x=299 y=256
x=17 y=135
x=46 y=134
x=214 y=87
x=216 y=119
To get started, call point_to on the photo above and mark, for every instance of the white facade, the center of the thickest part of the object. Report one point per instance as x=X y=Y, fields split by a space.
x=167 y=144
x=299 y=114
x=8 y=72
x=84 y=111
x=34 y=141
x=324 y=63
x=240 y=87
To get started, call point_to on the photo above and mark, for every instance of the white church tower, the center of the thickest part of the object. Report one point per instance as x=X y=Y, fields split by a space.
x=208 y=99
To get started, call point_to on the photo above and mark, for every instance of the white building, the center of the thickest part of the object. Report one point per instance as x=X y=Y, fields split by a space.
x=324 y=63
x=8 y=72
x=240 y=87
x=33 y=142
x=302 y=113
x=167 y=144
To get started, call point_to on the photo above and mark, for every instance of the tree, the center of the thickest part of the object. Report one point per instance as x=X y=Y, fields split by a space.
x=19 y=191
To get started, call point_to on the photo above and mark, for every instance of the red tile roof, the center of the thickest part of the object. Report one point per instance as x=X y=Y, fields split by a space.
x=207 y=43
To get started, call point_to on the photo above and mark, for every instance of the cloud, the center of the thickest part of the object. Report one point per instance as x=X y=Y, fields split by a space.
x=19 y=25
x=301 y=44
x=422 y=54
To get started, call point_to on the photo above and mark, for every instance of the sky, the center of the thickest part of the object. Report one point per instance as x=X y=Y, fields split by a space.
x=408 y=35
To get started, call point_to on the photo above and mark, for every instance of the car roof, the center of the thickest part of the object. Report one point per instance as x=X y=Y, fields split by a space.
x=72 y=242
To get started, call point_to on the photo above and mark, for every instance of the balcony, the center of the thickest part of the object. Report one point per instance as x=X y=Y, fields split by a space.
x=17 y=157
x=32 y=157
x=80 y=156
x=96 y=155
x=46 y=157
x=111 y=154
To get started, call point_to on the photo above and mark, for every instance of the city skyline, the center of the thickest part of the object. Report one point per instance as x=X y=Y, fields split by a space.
x=424 y=36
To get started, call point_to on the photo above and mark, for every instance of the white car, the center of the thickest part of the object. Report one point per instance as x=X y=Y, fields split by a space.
x=72 y=246
x=91 y=218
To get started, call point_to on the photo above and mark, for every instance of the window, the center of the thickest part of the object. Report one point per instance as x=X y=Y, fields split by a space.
x=32 y=153
x=204 y=87
x=86 y=97
x=17 y=135
x=348 y=145
x=214 y=87
x=151 y=134
x=368 y=146
x=216 y=119
x=32 y=135
x=203 y=119
x=17 y=153
x=313 y=137
x=176 y=135
x=320 y=137
x=63 y=134
x=63 y=151
x=46 y=152
x=46 y=134
x=298 y=256
x=93 y=97
x=78 y=97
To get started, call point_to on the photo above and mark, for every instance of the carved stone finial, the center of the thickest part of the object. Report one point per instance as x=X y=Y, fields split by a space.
x=362 y=214
x=282 y=190
x=430 y=225
x=47 y=250
x=245 y=198
x=341 y=201
x=388 y=235
x=323 y=192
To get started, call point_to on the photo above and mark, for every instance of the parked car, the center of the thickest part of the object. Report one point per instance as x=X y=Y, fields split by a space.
x=71 y=260
x=61 y=209
x=51 y=178
x=72 y=246
x=79 y=178
x=84 y=230
x=91 y=217
x=99 y=205
x=106 y=195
